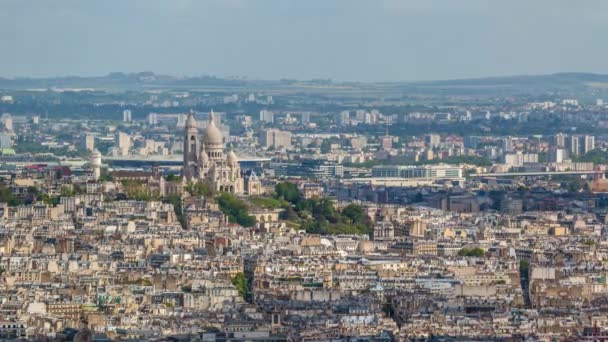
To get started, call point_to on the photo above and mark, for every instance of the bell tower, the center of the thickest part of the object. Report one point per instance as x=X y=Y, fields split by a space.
x=191 y=148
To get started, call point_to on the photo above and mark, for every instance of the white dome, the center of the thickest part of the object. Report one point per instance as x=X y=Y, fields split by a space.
x=204 y=156
x=232 y=159
x=212 y=134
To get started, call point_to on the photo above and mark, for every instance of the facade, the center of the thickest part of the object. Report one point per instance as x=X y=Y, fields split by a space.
x=519 y=159
x=266 y=116
x=206 y=160
x=123 y=144
x=430 y=171
x=276 y=138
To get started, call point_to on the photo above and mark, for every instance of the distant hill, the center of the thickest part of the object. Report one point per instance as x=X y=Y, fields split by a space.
x=150 y=80
x=554 y=79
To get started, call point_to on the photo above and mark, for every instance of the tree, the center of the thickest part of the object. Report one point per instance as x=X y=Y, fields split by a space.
x=288 y=191
x=173 y=178
x=472 y=252
x=326 y=146
x=6 y=196
x=200 y=188
x=235 y=209
x=240 y=282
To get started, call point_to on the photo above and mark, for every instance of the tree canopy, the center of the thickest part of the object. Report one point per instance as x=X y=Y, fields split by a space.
x=236 y=209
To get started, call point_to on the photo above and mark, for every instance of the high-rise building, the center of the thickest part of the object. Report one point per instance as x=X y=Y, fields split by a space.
x=507 y=144
x=87 y=142
x=305 y=118
x=152 y=119
x=599 y=102
x=557 y=155
x=581 y=144
x=574 y=146
x=126 y=115
x=266 y=116
x=589 y=143
x=123 y=143
x=276 y=138
x=560 y=140
x=343 y=118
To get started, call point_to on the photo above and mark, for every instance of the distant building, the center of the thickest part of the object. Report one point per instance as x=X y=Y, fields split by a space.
x=5 y=141
x=432 y=140
x=507 y=144
x=276 y=138
x=266 y=116
x=123 y=143
x=428 y=171
x=557 y=155
x=152 y=119
x=560 y=140
x=519 y=159
x=386 y=142
x=126 y=115
x=581 y=144
x=87 y=142
x=7 y=122
x=305 y=118
x=343 y=118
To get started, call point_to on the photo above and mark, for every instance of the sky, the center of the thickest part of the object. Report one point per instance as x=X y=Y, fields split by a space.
x=345 y=40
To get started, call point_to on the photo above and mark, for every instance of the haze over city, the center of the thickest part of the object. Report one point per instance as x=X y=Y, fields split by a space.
x=385 y=40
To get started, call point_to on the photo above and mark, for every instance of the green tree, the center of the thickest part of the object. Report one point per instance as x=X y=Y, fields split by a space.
x=240 y=282
x=173 y=178
x=235 y=209
x=326 y=146
x=288 y=192
x=472 y=252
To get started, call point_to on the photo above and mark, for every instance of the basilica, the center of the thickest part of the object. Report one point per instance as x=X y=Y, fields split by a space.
x=206 y=160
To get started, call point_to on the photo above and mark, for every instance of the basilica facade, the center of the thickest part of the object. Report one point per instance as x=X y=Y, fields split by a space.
x=206 y=160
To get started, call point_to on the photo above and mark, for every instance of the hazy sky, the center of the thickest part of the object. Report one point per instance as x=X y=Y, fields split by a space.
x=343 y=39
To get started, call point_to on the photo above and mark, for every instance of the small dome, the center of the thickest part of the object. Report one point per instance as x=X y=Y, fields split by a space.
x=204 y=156
x=213 y=136
x=232 y=159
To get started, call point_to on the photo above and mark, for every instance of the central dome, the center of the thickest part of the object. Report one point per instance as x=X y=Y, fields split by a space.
x=212 y=134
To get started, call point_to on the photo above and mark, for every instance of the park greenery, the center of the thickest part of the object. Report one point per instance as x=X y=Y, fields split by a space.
x=319 y=215
x=240 y=282
x=235 y=209
x=200 y=188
